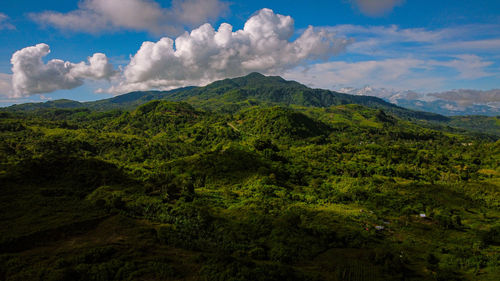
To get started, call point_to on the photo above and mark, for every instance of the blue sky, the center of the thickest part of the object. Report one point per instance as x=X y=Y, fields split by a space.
x=421 y=45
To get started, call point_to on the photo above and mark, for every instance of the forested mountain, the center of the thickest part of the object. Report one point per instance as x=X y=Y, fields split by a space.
x=232 y=95
x=253 y=178
x=254 y=88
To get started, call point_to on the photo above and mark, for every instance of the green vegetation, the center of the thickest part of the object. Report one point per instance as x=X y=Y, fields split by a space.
x=236 y=183
x=233 y=95
x=481 y=124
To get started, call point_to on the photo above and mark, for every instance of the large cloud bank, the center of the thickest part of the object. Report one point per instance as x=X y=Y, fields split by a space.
x=32 y=76
x=145 y=15
x=205 y=54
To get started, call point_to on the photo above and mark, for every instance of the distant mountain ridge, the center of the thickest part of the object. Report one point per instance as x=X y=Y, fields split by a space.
x=450 y=103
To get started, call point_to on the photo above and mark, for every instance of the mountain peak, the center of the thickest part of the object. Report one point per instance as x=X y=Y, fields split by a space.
x=255 y=75
x=254 y=79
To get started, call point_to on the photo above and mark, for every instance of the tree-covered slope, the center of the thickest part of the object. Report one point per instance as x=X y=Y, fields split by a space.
x=171 y=191
x=279 y=122
x=61 y=104
x=275 y=90
x=130 y=100
x=481 y=124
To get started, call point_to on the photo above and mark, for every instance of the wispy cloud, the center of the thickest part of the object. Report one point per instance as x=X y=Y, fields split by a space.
x=393 y=40
x=95 y=16
x=376 y=8
x=402 y=73
x=408 y=58
x=466 y=97
x=486 y=45
x=467 y=65
x=4 y=22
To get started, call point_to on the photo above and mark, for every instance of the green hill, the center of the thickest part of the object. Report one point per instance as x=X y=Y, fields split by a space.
x=480 y=124
x=62 y=104
x=262 y=89
x=267 y=188
x=279 y=122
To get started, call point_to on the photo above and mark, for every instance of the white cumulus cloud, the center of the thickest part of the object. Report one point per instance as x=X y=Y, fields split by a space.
x=144 y=15
x=32 y=76
x=376 y=8
x=205 y=54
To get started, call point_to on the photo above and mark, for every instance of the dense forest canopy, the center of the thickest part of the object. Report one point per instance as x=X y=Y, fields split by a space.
x=253 y=178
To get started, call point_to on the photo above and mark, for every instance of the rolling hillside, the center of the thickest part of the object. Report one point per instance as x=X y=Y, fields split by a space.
x=170 y=191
